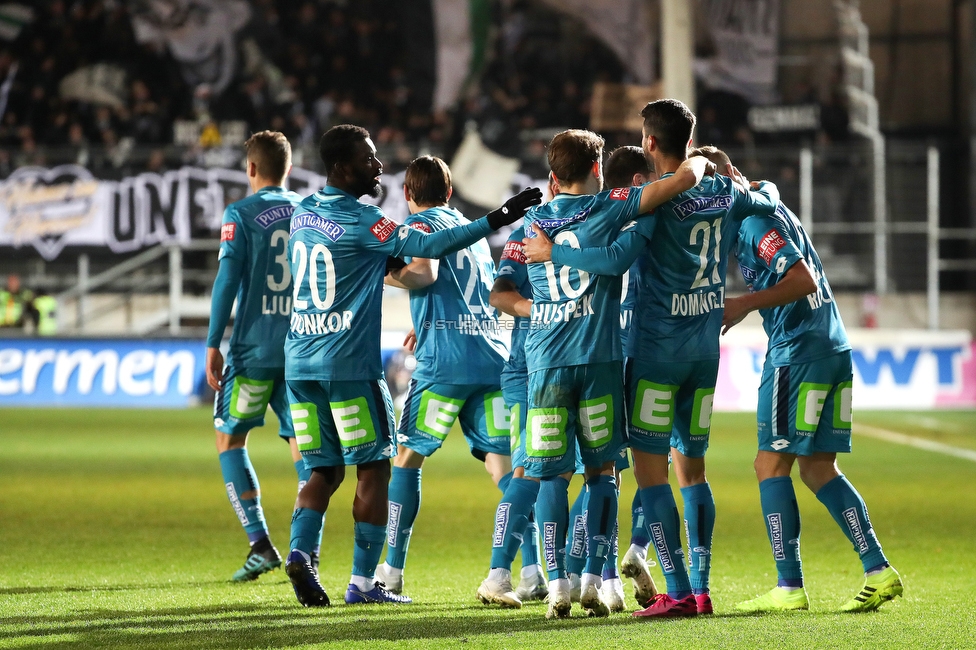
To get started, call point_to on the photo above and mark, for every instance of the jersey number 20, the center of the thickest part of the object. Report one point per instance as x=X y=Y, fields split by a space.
x=311 y=263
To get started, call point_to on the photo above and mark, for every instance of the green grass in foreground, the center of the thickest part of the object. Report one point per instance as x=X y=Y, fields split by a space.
x=116 y=532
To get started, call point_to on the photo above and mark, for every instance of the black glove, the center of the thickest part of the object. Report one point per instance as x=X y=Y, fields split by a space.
x=514 y=208
x=394 y=264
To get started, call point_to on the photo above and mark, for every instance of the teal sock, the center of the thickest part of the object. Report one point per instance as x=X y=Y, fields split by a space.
x=404 y=506
x=511 y=520
x=504 y=481
x=699 y=525
x=530 y=541
x=661 y=514
x=369 y=540
x=778 y=500
x=305 y=473
x=576 y=534
x=847 y=508
x=239 y=478
x=638 y=526
x=601 y=518
x=610 y=568
x=306 y=529
x=553 y=512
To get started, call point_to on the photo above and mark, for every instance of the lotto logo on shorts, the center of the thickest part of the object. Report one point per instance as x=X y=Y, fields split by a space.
x=769 y=245
x=421 y=226
x=227 y=232
x=353 y=422
x=620 y=193
x=776 y=535
x=514 y=251
x=383 y=229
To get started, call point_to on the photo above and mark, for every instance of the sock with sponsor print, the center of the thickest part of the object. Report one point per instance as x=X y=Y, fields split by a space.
x=404 y=506
x=511 y=522
x=661 y=514
x=576 y=533
x=699 y=525
x=638 y=527
x=601 y=519
x=847 y=508
x=306 y=530
x=239 y=478
x=553 y=512
x=782 y=517
x=305 y=473
x=366 y=553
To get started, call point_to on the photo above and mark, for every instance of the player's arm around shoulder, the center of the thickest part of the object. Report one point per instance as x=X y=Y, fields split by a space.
x=770 y=246
x=689 y=174
x=419 y=272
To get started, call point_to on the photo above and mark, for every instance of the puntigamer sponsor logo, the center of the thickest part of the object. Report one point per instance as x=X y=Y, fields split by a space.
x=776 y=535
x=701 y=204
x=310 y=220
x=850 y=516
x=273 y=215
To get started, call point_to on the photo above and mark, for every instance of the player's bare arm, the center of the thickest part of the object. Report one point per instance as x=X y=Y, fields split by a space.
x=539 y=248
x=419 y=273
x=797 y=283
x=505 y=297
x=215 y=368
x=688 y=174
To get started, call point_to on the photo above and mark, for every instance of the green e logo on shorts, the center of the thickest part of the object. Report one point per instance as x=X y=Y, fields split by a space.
x=701 y=414
x=249 y=398
x=353 y=422
x=809 y=405
x=497 y=416
x=654 y=406
x=437 y=414
x=546 y=432
x=513 y=424
x=596 y=421
x=842 y=405
x=305 y=419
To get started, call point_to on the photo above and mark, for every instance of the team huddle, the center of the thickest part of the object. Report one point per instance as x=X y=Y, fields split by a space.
x=618 y=299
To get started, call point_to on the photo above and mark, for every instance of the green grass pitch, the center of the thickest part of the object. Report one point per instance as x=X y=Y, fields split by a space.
x=115 y=532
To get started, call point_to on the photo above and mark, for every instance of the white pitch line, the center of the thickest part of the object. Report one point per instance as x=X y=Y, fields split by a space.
x=912 y=441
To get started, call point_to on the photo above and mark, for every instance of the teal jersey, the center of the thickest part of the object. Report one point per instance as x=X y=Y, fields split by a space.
x=682 y=270
x=512 y=267
x=802 y=331
x=458 y=339
x=575 y=314
x=338 y=252
x=254 y=232
x=628 y=301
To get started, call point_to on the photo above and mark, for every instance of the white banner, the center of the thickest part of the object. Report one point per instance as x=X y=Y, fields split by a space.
x=745 y=43
x=893 y=369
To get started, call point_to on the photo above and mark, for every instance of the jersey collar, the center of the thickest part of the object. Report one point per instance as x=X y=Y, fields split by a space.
x=271 y=188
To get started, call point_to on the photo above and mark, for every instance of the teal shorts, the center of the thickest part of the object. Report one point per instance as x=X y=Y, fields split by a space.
x=431 y=409
x=244 y=398
x=573 y=410
x=670 y=405
x=515 y=390
x=342 y=422
x=805 y=408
